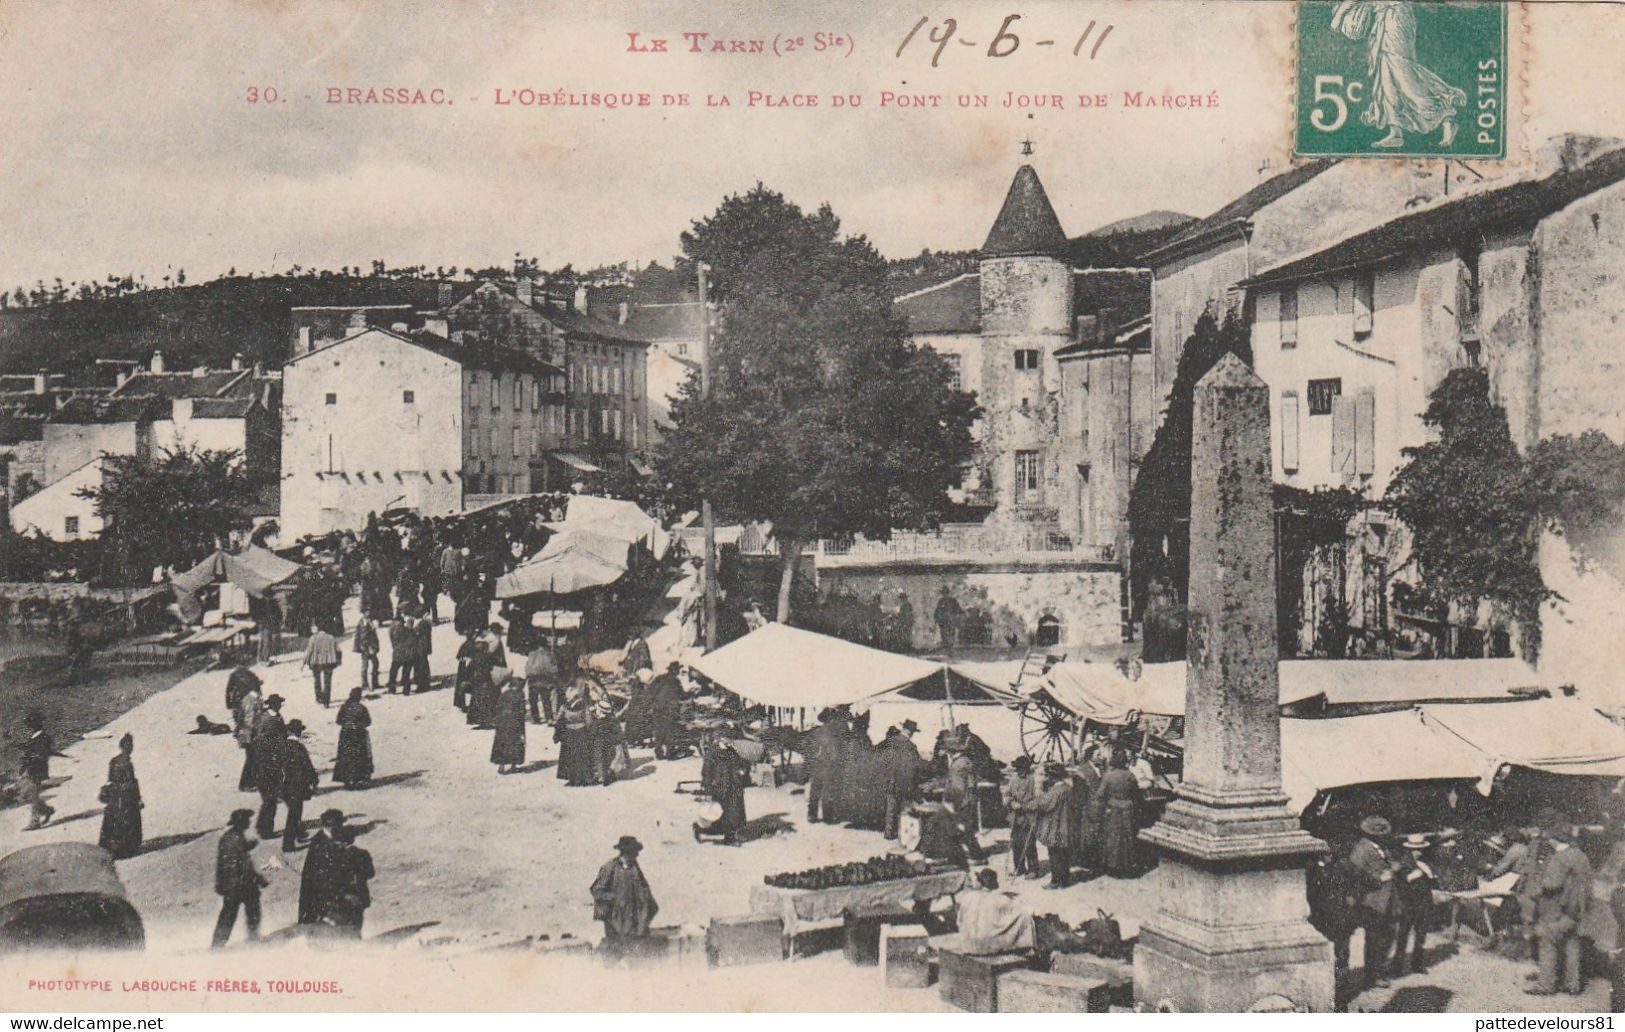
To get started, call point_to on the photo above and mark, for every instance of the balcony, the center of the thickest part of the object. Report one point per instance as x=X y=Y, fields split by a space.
x=965 y=542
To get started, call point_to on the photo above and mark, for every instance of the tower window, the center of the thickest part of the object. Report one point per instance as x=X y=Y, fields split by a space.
x=1026 y=358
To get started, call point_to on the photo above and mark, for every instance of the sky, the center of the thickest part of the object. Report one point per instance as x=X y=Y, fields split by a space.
x=128 y=142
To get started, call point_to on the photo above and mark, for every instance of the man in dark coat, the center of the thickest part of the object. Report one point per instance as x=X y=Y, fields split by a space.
x=1054 y=809
x=1371 y=886
x=403 y=652
x=948 y=615
x=235 y=880
x=319 y=879
x=424 y=628
x=1020 y=795
x=902 y=771
x=298 y=784
x=352 y=895
x=822 y=749
x=1414 y=883
x=621 y=899
x=667 y=711
x=35 y=768
x=264 y=773
x=1562 y=896
x=727 y=778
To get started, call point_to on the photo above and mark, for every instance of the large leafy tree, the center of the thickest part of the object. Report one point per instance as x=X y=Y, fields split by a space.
x=1159 y=507
x=1473 y=507
x=170 y=508
x=822 y=418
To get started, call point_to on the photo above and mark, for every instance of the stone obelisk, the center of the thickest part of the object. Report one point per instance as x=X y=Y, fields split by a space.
x=1232 y=932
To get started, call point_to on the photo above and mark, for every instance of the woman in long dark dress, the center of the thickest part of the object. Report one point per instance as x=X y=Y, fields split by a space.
x=353 y=767
x=121 y=820
x=508 y=745
x=574 y=767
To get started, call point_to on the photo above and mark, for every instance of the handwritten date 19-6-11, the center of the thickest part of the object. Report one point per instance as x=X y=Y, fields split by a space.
x=1004 y=43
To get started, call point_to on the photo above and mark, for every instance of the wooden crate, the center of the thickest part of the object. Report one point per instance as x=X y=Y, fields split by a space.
x=905 y=956
x=1117 y=974
x=861 y=930
x=683 y=945
x=971 y=981
x=1042 y=992
x=751 y=939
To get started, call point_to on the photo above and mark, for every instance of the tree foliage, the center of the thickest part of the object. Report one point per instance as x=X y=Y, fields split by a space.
x=822 y=417
x=1473 y=508
x=1581 y=480
x=169 y=509
x=1159 y=507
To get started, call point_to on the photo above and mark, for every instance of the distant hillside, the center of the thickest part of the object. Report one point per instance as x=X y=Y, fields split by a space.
x=204 y=324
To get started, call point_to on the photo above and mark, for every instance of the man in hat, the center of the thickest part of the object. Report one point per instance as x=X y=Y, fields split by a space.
x=423 y=627
x=297 y=784
x=319 y=878
x=961 y=781
x=822 y=748
x=322 y=657
x=403 y=651
x=622 y=901
x=665 y=713
x=1414 y=883
x=35 y=768
x=541 y=680
x=264 y=774
x=235 y=880
x=902 y=771
x=1371 y=874
x=1562 y=896
x=1020 y=793
x=1054 y=811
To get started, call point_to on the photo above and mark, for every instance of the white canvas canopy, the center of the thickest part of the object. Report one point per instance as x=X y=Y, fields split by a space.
x=782 y=666
x=1105 y=694
x=615 y=518
x=1336 y=752
x=1560 y=736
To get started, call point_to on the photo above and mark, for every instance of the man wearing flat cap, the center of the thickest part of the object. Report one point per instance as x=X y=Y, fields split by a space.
x=235 y=880
x=621 y=899
x=1371 y=873
x=1562 y=898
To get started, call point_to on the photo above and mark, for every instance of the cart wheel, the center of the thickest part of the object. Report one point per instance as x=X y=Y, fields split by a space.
x=1049 y=734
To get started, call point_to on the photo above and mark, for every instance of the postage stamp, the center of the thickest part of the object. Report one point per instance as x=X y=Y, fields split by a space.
x=1402 y=78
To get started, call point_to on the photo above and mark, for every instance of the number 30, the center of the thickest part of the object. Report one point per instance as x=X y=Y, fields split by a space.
x=1330 y=89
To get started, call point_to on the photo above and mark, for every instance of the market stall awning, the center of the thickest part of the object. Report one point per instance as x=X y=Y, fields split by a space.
x=559 y=574
x=1560 y=736
x=1336 y=752
x=614 y=516
x=576 y=539
x=1357 y=682
x=1104 y=693
x=577 y=463
x=255 y=570
x=776 y=665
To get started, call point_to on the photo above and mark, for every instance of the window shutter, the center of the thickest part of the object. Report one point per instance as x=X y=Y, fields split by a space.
x=1365 y=420
x=1289 y=317
x=1342 y=438
x=1289 y=432
x=1364 y=295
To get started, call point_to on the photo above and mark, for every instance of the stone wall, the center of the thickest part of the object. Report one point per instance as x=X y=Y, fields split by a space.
x=1002 y=600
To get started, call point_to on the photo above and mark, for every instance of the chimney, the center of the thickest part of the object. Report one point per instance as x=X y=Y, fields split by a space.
x=397 y=327
x=437 y=325
x=259 y=370
x=625 y=311
x=358 y=320
x=157 y=362
x=237 y=362
x=524 y=289
x=40 y=380
x=445 y=295
x=123 y=375
x=581 y=300
x=1088 y=329
x=199 y=372
x=181 y=410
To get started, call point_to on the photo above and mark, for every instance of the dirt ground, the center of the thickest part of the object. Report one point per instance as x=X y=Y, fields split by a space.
x=471 y=863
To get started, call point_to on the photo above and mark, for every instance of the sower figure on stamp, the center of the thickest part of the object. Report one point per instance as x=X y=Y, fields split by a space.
x=235 y=880
x=621 y=899
x=1406 y=97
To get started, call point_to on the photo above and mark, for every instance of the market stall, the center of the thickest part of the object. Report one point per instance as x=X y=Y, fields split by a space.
x=1555 y=736
x=797 y=906
x=1339 y=752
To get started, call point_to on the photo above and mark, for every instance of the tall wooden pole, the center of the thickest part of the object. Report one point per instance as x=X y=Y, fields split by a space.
x=709 y=566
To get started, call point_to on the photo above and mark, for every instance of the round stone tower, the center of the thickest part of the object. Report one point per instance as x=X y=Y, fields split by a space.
x=1026 y=307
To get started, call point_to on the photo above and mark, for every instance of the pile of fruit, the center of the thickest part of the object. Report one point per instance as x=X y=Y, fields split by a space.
x=874 y=869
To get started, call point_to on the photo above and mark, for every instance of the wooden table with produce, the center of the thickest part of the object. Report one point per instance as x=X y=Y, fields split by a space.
x=825 y=893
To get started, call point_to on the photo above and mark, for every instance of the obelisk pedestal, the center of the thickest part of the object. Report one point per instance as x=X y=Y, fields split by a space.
x=1232 y=932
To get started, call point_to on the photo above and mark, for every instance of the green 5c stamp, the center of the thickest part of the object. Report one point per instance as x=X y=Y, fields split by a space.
x=1403 y=78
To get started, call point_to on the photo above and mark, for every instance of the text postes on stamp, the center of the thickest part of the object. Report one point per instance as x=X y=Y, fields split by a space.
x=1402 y=78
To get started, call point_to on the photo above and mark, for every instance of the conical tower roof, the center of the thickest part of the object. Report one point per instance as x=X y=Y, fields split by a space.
x=1026 y=224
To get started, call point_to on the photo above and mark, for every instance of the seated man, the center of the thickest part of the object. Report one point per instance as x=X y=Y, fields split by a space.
x=991 y=921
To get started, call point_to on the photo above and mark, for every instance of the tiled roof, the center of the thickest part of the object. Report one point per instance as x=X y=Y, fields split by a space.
x=1499 y=206
x=212 y=384
x=951 y=307
x=1134 y=337
x=1243 y=207
x=473 y=355
x=1027 y=224
x=221 y=408
x=113 y=409
x=677 y=321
